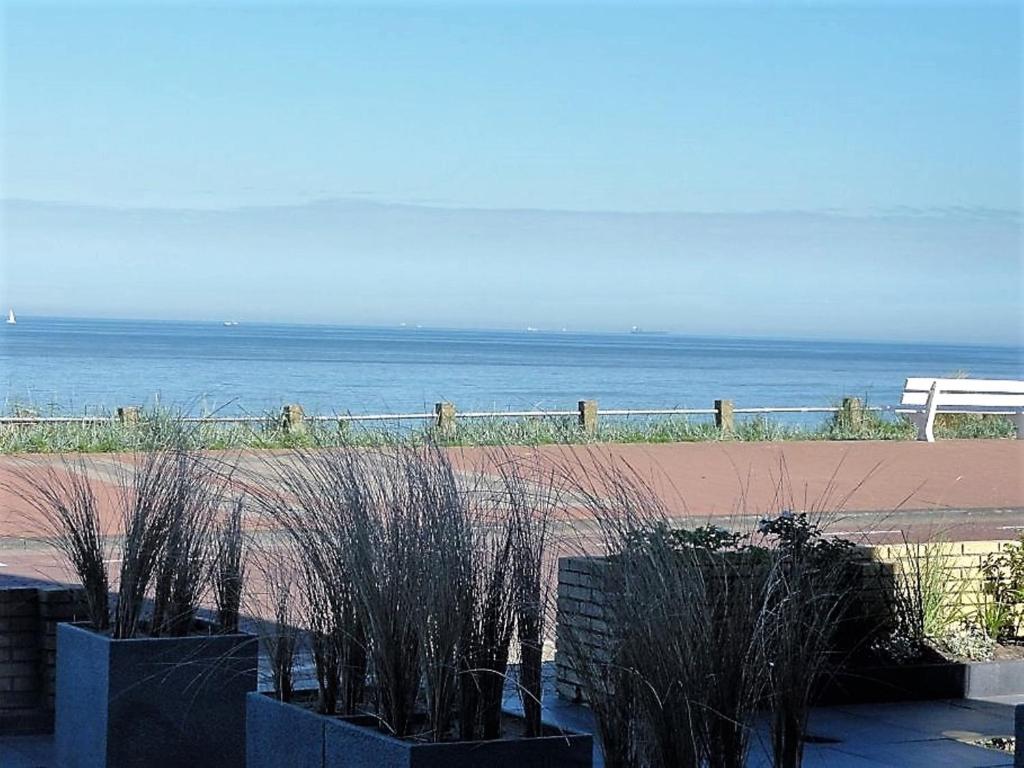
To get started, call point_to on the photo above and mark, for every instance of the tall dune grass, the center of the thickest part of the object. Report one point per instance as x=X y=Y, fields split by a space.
x=427 y=576
x=110 y=435
x=705 y=628
x=164 y=501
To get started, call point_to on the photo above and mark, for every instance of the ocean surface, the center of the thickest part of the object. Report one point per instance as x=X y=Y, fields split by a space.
x=75 y=366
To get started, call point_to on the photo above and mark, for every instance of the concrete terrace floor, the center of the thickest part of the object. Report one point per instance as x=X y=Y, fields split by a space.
x=906 y=735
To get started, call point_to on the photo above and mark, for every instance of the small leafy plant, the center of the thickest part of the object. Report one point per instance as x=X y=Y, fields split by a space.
x=968 y=641
x=1003 y=592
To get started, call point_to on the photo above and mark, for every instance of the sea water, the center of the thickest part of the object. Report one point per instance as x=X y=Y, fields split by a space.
x=76 y=366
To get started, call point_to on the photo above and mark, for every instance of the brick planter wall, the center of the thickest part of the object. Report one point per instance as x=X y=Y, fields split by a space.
x=28 y=650
x=581 y=610
x=581 y=593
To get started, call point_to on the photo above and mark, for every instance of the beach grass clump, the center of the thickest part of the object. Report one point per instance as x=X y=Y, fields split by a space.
x=923 y=595
x=667 y=429
x=105 y=434
x=65 y=503
x=419 y=579
x=761 y=429
x=228 y=568
x=866 y=424
x=529 y=430
x=164 y=503
x=973 y=426
x=184 y=566
x=704 y=629
x=533 y=495
x=314 y=496
x=277 y=604
x=807 y=606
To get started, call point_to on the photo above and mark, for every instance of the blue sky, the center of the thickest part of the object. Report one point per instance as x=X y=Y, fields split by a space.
x=779 y=146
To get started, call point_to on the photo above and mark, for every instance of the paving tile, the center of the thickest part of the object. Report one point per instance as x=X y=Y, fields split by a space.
x=27 y=752
x=815 y=756
x=841 y=724
x=939 y=718
x=934 y=753
x=907 y=735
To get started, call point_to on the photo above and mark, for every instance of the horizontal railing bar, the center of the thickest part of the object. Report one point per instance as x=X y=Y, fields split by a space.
x=224 y=419
x=655 y=411
x=611 y=412
x=515 y=414
x=375 y=417
x=788 y=409
x=55 y=419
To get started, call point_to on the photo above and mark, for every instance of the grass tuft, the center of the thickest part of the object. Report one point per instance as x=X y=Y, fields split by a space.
x=156 y=425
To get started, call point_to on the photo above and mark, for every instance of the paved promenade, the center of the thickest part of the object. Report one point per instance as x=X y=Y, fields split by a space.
x=870 y=490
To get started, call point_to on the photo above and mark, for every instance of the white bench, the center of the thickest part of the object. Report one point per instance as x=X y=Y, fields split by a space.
x=1000 y=396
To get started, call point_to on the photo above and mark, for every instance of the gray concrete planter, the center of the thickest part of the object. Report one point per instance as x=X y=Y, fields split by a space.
x=993 y=678
x=937 y=679
x=277 y=734
x=286 y=734
x=152 y=702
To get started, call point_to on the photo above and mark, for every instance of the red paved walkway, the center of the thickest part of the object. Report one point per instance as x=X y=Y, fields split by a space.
x=713 y=479
x=963 y=489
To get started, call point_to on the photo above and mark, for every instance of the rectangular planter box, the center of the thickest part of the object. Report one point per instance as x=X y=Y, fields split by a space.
x=152 y=702
x=582 y=598
x=285 y=734
x=919 y=682
x=994 y=678
x=277 y=734
x=906 y=682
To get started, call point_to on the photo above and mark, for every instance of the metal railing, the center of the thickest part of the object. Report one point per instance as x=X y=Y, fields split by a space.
x=583 y=420
x=444 y=415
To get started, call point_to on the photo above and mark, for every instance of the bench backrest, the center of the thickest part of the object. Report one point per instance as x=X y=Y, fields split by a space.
x=995 y=394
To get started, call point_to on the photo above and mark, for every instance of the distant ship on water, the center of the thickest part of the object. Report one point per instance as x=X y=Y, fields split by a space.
x=11 y=319
x=230 y=323
x=637 y=330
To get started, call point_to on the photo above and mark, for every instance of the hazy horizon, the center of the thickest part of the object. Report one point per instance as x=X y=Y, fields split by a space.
x=24 y=319
x=778 y=171
x=357 y=262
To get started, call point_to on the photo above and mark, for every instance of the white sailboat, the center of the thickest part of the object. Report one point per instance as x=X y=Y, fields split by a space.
x=11 y=320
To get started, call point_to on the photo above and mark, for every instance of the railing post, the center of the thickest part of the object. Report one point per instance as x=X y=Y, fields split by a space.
x=445 y=421
x=724 y=418
x=588 y=416
x=128 y=414
x=853 y=412
x=293 y=419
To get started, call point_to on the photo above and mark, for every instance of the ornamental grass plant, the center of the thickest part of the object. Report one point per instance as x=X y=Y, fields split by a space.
x=420 y=578
x=705 y=628
x=162 y=507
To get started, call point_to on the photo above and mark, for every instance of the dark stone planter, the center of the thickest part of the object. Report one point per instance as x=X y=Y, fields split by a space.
x=919 y=682
x=277 y=734
x=902 y=682
x=152 y=702
x=282 y=734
